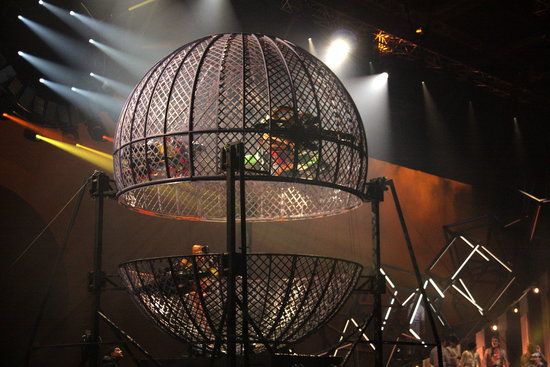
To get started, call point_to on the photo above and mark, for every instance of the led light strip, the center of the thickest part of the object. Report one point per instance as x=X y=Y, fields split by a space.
x=497 y=259
x=464 y=263
x=472 y=246
x=468 y=298
x=415 y=309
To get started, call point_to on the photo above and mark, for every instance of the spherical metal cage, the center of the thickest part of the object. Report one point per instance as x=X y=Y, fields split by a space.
x=289 y=296
x=305 y=145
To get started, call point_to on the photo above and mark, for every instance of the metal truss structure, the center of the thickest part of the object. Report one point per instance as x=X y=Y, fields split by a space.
x=386 y=43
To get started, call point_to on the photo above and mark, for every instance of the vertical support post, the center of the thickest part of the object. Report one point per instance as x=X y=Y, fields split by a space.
x=244 y=266
x=100 y=183
x=377 y=312
x=376 y=195
x=230 y=161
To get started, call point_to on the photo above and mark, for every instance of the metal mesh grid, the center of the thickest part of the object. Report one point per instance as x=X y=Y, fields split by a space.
x=289 y=296
x=305 y=146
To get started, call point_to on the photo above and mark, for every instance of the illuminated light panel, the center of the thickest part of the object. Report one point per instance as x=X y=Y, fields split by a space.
x=96 y=160
x=102 y=154
x=140 y=5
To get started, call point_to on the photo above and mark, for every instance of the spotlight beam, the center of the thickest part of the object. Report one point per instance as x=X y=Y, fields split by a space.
x=66 y=47
x=36 y=128
x=51 y=69
x=100 y=153
x=96 y=160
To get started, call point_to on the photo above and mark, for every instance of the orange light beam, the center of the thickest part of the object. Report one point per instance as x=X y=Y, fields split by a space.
x=108 y=138
x=36 y=128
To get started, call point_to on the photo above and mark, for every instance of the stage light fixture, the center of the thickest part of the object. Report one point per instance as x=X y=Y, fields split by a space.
x=73 y=89
x=419 y=30
x=40 y=2
x=20 y=53
x=515 y=310
x=30 y=135
x=42 y=80
x=337 y=52
x=91 y=41
x=536 y=290
x=96 y=130
x=72 y=13
x=494 y=327
x=92 y=74
x=20 y=17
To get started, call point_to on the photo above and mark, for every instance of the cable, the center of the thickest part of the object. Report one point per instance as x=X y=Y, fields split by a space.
x=47 y=226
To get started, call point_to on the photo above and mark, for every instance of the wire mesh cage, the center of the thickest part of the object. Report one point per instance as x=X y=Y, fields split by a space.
x=289 y=296
x=305 y=145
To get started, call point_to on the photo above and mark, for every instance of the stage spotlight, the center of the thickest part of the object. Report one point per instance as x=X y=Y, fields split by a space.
x=20 y=17
x=40 y=2
x=42 y=80
x=337 y=52
x=311 y=47
x=72 y=13
x=92 y=74
x=96 y=130
x=516 y=310
x=494 y=327
x=20 y=53
x=73 y=89
x=91 y=41
x=30 y=135
x=536 y=290
x=419 y=30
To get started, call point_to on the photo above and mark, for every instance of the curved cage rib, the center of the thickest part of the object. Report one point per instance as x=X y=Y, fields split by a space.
x=305 y=145
x=289 y=296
